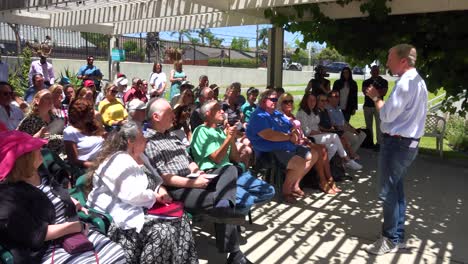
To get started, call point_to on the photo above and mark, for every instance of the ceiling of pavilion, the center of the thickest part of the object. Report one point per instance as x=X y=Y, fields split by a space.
x=134 y=16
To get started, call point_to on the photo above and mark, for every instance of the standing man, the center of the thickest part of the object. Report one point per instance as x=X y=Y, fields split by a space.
x=402 y=123
x=370 y=112
x=43 y=67
x=90 y=72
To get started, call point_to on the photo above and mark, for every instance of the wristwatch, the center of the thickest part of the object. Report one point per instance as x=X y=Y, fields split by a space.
x=375 y=98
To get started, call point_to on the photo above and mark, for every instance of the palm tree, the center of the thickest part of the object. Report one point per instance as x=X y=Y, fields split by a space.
x=203 y=34
x=182 y=33
x=263 y=38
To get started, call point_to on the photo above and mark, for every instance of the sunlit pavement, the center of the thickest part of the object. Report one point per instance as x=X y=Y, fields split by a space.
x=333 y=228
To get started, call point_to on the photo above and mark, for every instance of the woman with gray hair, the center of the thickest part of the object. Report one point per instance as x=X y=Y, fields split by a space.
x=122 y=189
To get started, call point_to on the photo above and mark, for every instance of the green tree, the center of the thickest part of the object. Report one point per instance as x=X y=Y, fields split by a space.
x=240 y=44
x=19 y=76
x=203 y=34
x=194 y=40
x=263 y=38
x=329 y=54
x=181 y=34
x=214 y=41
x=99 y=40
x=130 y=46
x=439 y=38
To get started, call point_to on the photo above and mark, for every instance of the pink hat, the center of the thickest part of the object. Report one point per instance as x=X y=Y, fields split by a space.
x=88 y=83
x=14 y=144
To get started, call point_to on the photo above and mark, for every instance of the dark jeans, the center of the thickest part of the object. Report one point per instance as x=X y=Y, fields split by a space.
x=396 y=155
x=203 y=200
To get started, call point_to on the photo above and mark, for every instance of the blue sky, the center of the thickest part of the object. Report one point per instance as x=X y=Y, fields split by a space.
x=249 y=32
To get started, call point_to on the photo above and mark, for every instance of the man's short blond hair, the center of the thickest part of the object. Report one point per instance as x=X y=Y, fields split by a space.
x=406 y=51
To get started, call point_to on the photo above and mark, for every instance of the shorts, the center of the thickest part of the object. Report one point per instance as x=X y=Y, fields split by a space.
x=284 y=156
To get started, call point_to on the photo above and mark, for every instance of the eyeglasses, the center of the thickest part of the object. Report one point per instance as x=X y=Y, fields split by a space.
x=288 y=101
x=7 y=93
x=273 y=99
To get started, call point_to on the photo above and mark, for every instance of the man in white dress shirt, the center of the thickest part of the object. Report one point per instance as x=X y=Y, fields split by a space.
x=402 y=123
x=43 y=67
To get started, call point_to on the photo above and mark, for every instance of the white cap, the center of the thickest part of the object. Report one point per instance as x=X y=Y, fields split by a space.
x=122 y=81
x=136 y=104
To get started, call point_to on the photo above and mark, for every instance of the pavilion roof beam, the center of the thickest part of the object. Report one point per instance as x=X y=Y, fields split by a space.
x=27 y=4
x=128 y=12
x=209 y=20
x=25 y=18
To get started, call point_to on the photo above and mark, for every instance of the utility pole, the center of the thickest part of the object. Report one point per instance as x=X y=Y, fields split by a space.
x=256 y=47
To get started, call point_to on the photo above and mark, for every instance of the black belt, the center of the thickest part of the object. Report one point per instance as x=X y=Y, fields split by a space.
x=399 y=137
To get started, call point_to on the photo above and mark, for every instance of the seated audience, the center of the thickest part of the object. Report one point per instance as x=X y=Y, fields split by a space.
x=215 y=89
x=196 y=118
x=58 y=109
x=270 y=131
x=203 y=82
x=310 y=119
x=38 y=212
x=325 y=124
x=10 y=114
x=136 y=111
x=121 y=188
x=322 y=166
x=84 y=137
x=69 y=92
x=185 y=99
x=136 y=91
x=111 y=109
x=338 y=120
x=42 y=123
x=37 y=85
x=216 y=196
x=213 y=147
x=232 y=111
x=186 y=85
x=181 y=127
x=249 y=106
x=88 y=91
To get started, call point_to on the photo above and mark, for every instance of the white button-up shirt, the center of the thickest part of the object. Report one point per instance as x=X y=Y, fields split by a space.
x=404 y=112
x=46 y=69
x=11 y=120
x=120 y=188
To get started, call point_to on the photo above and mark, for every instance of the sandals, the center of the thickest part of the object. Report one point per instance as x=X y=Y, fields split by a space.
x=289 y=198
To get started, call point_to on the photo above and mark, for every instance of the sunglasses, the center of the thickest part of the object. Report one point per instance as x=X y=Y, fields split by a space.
x=288 y=101
x=7 y=93
x=273 y=99
x=114 y=91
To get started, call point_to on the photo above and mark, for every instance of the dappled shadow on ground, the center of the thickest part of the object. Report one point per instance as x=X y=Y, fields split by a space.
x=332 y=229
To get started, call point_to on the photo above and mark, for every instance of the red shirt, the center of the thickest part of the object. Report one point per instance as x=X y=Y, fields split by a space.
x=134 y=93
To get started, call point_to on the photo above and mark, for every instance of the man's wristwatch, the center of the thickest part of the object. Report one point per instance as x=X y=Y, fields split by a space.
x=375 y=98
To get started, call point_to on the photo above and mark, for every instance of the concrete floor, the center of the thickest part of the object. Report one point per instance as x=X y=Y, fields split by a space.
x=332 y=228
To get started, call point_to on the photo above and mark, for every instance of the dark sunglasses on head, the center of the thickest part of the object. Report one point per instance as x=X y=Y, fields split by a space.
x=288 y=101
x=273 y=99
x=7 y=93
x=114 y=91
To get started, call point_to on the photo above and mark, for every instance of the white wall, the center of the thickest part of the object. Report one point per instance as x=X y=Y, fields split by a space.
x=222 y=76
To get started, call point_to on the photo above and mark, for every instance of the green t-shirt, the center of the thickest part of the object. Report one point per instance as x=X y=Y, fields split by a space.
x=247 y=109
x=205 y=141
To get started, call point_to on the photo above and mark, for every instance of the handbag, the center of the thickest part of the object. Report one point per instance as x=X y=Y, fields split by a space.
x=76 y=243
x=174 y=209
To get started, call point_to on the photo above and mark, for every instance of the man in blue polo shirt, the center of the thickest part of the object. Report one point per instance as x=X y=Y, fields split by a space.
x=90 y=72
x=402 y=123
x=270 y=131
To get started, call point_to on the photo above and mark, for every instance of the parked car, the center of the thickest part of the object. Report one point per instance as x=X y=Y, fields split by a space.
x=358 y=70
x=289 y=65
x=335 y=67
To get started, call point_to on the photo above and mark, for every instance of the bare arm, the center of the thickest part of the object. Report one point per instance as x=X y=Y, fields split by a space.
x=183 y=182
x=60 y=230
x=218 y=155
x=72 y=154
x=271 y=135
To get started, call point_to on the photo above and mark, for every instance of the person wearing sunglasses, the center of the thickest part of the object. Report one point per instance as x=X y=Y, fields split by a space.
x=136 y=91
x=10 y=114
x=270 y=131
x=111 y=109
x=322 y=166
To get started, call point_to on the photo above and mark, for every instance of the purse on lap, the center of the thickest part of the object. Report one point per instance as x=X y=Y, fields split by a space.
x=174 y=209
x=76 y=243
